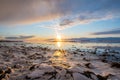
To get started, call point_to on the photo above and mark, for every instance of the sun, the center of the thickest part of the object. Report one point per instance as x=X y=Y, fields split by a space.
x=58 y=37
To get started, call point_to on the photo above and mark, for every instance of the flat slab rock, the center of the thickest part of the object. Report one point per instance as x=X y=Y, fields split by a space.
x=78 y=76
x=35 y=74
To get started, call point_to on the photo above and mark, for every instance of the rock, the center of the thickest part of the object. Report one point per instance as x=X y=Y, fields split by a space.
x=89 y=65
x=78 y=76
x=63 y=72
x=104 y=60
x=82 y=54
x=46 y=77
x=86 y=59
x=57 y=76
x=32 y=67
x=68 y=77
x=35 y=74
x=62 y=78
x=90 y=75
x=103 y=77
x=76 y=69
x=1 y=71
x=17 y=66
x=5 y=74
x=94 y=77
x=115 y=64
x=2 y=76
x=114 y=77
x=46 y=68
x=9 y=70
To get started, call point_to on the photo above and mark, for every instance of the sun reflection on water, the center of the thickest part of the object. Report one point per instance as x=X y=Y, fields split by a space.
x=59 y=59
x=59 y=56
x=59 y=44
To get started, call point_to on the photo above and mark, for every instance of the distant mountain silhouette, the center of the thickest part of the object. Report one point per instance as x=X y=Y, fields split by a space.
x=106 y=39
x=103 y=40
x=9 y=41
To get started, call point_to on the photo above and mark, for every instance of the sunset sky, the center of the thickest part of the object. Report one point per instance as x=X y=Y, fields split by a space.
x=44 y=19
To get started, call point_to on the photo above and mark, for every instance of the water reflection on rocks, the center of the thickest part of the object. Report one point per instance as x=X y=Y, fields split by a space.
x=59 y=59
x=22 y=62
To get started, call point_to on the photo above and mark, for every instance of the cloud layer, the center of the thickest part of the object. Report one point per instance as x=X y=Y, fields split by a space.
x=69 y=12
x=117 y=31
x=19 y=37
x=28 y=11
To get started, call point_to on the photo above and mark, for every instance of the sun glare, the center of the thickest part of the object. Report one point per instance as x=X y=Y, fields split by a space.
x=59 y=44
x=58 y=37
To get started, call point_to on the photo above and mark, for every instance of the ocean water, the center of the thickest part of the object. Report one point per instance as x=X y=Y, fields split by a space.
x=67 y=45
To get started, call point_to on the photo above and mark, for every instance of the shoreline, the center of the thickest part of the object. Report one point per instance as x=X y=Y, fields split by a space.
x=38 y=63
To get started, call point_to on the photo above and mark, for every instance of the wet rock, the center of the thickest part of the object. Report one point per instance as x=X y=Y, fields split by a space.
x=9 y=70
x=46 y=68
x=54 y=74
x=75 y=52
x=76 y=69
x=35 y=74
x=20 y=61
x=69 y=76
x=94 y=77
x=62 y=78
x=82 y=54
x=86 y=59
x=45 y=77
x=17 y=66
x=115 y=64
x=32 y=67
x=78 y=76
x=88 y=74
x=60 y=69
x=114 y=77
x=2 y=76
x=89 y=65
x=103 y=77
x=1 y=71
x=5 y=74
x=104 y=60
x=58 y=76
x=62 y=72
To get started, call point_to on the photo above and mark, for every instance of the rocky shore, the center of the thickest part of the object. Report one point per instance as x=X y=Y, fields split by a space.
x=38 y=63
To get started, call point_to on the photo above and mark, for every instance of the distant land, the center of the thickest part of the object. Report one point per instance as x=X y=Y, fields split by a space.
x=10 y=41
x=100 y=40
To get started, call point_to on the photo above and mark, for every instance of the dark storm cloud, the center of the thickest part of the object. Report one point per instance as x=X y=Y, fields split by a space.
x=117 y=31
x=19 y=37
x=70 y=12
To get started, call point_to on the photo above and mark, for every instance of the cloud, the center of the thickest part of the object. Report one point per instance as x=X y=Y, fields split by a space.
x=69 y=12
x=116 y=31
x=72 y=20
x=28 y=11
x=19 y=37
